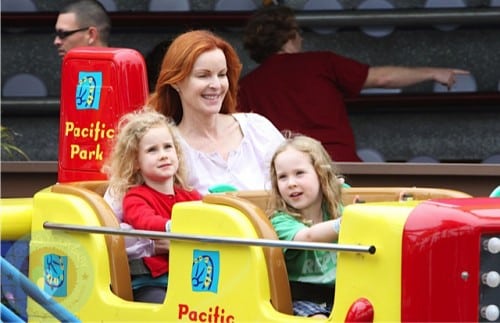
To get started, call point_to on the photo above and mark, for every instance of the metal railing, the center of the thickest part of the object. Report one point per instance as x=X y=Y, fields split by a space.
x=211 y=239
x=401 y=17
x=342 y=18
x=466 y=101
x=38 y=295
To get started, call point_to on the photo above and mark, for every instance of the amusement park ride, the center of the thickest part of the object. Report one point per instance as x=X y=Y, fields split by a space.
x=433 y=255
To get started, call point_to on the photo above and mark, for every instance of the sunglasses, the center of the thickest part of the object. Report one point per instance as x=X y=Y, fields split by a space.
x=65 y=33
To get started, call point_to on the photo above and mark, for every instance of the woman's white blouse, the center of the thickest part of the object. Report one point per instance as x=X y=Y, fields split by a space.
x=246 y=168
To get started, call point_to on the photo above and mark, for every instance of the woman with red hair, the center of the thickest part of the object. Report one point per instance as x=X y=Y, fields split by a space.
x=197 y=87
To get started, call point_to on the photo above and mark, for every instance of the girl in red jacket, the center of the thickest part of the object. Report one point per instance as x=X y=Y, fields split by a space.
x=146 y=170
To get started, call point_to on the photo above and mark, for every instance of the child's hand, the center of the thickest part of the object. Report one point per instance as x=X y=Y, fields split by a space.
x=342 y=182
x=405 y=196
x=357 y=199
x=161 y=246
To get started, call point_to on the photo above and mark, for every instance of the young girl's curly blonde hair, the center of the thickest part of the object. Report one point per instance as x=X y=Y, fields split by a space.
x=331 y=187
x=122 y=165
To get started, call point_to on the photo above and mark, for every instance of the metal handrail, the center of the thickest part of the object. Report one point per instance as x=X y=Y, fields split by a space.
x=212 y=239
x=27 y=106
x=346 y=17
x=479 y=101
x=37 y=294
x=7 y=315
x=400 y=17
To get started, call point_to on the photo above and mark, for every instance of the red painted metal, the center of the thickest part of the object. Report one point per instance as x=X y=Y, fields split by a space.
x=98 y=85
x=360 y=311
x=441 y=258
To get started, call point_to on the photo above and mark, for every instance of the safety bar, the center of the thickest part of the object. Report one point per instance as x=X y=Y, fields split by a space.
x=7 y=315
x=465 y=101
x=38 y=295
x=400 y=17
x=203 y=238
x=346 y=18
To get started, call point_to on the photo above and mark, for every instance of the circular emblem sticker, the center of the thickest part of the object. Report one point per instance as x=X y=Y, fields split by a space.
x=62 y=269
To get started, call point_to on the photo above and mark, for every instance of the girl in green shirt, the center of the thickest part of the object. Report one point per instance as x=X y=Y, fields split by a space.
x=305 y=205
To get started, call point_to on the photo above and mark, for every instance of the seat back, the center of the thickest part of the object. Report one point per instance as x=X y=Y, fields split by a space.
x=429 y=4
x=423 y=159
x=364 y=194
x=99 y=187
x=492 y=159
x=388 y=194
x=118 y=260
x=370 y=155
x=258 y=197
x=18 y=6
x=281 y=298
x=231 y=5
x=169 y=5
x=323 y=5
x=376 y=31
x=24 y=85
x=109 y=5
x=463 y=83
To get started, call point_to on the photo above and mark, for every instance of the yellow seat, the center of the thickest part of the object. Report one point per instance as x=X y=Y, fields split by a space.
x=281 y=298
x=92 y=192
x=252 y=203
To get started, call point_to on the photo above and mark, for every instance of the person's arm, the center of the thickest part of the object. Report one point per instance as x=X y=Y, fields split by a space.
x=140 y=214
x=396 y=76
x=136 y=247
x=161 y=246
x=327 y=231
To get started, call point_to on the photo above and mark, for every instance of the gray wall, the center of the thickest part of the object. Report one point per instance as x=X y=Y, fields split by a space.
x=469 y=135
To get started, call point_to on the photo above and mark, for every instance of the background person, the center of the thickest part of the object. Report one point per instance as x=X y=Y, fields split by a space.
x=306 y=205
x=197 y=87
x=146 y=171
x=82 y=23
x=305 y=91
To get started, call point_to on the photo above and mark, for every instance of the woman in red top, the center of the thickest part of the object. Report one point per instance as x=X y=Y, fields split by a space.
x=145 y=170
x=304 y=91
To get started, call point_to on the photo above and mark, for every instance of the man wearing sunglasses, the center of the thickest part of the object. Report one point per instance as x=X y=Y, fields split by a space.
x=82 y=23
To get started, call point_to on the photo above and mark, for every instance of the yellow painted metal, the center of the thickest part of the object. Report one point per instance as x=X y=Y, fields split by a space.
x=238 y=272
x=242 y=293
x=377 y=277
x=15 y=218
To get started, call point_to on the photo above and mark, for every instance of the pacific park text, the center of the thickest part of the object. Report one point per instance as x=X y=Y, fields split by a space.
x=213 y=315
x=88 y=137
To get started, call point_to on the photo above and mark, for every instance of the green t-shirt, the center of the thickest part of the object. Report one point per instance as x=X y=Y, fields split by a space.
x=308 y=266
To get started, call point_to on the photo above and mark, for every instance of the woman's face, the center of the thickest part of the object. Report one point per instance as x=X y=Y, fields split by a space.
x=207 y=84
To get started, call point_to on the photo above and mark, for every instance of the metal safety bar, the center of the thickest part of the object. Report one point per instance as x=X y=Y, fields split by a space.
x=400 y=17
x=345 y=17
x=203 y=238
x=39 y=296
x=465 y=101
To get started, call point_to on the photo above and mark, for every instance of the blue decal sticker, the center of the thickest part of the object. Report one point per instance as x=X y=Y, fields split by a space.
x=205 y=271
x=55 y=280
x=88 y=90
